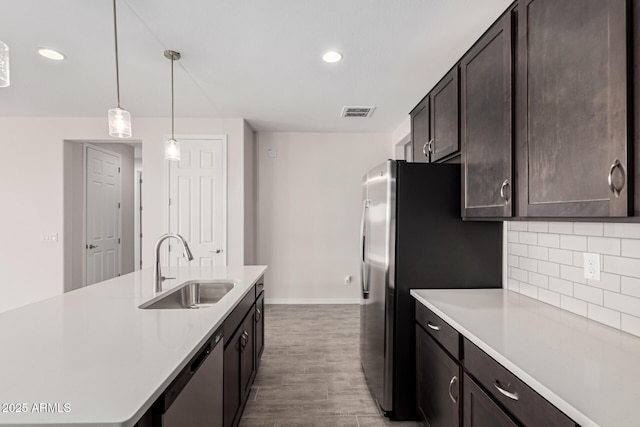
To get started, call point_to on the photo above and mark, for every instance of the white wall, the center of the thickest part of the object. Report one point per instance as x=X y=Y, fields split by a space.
x=31 y=181
x=545 y=261
x=250 y=195
x=309 y=208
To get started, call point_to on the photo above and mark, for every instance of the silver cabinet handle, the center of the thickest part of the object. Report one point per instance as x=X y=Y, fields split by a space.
x=616 y=165
x=92 y=246
x=432 y=326
x=509 y=394
x=451 y=396
x=503 y=193
x=431 y=145
x=425 y=149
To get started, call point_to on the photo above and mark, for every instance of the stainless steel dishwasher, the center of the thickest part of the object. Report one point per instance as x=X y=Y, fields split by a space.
x=194 y=398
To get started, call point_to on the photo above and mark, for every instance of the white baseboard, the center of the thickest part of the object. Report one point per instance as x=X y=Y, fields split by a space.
x=312 y=301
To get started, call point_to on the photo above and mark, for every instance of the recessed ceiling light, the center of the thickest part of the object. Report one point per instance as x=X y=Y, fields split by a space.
x=332 y=56
x=51 y=54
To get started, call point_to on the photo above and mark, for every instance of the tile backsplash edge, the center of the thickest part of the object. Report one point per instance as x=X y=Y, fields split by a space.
x=544 y=260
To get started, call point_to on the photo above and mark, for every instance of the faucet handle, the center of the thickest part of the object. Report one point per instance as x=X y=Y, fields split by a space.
x=165 y=278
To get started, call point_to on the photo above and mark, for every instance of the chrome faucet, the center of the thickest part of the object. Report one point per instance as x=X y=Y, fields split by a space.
x=158 y=278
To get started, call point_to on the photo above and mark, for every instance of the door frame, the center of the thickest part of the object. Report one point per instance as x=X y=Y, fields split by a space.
x=85 y=146
x=167 y=181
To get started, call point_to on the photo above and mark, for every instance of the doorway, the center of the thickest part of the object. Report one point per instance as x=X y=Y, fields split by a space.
x=197 y=200
x=103 y=204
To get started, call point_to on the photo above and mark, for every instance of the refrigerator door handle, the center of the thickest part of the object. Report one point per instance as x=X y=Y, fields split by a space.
x=363 y=265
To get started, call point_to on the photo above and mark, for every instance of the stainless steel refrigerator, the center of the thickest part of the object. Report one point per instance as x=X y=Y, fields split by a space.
x=413 y=237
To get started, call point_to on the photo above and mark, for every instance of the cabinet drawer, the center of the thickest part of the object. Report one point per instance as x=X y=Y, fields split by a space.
x=438 y=329
x=233 y=320
x=522 y=401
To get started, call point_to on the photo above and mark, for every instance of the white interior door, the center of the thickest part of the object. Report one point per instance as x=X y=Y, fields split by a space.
x=197 y=202
x=102 y=215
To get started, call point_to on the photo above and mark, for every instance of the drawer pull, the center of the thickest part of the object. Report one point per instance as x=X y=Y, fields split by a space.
x=432 y=326
x=453 y=380
x=615 y=190
x=510 y=395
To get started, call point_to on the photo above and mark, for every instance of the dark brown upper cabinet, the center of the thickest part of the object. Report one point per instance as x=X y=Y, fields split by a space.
x=486 y=124
x=572 y=108
x=435 y=122
x=420 y=131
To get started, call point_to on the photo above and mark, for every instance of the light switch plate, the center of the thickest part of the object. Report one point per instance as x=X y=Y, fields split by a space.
x=592 y=266
x=49 y=238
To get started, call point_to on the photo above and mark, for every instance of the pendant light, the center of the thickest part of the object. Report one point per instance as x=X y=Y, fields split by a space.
x=4 y=65
x=172 y=146
x=119 y=118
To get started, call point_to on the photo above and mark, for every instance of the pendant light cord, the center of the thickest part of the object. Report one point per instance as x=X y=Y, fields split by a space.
x=115 y=33
x=172 y=118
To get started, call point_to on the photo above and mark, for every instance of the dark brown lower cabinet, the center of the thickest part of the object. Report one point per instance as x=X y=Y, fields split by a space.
x=437 y=383
x=479 y=410
x=259 y=328
x=239 y=369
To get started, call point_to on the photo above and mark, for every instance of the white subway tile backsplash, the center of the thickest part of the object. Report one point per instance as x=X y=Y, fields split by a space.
x=561 y=256
x=520 y=250
x=622 y=266
x=561 y=227
x=561 y=286
x=545 y=261
x=630 y=248
x=528 y=238
x=551 y=269
x=528 y=264
x=604 y=315
x=622 y=303
x=539 y=280
x=518 y=226
x=574 y=243
x=628 y=231
x=573 y=305
x=573 y=274
x=603 y=245
x=549 y=297
x=549 y=240
x=538 y=226
x=608 y=282
x=631 y=286
x=588 y=228
x=540 y=253
x=589 y=294
x=631 y=324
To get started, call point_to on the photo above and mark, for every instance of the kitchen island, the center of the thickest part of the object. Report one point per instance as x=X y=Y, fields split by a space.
x=587 y=370
x=93 y=357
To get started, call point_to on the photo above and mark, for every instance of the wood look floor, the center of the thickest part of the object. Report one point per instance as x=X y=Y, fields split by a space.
x=310 y=373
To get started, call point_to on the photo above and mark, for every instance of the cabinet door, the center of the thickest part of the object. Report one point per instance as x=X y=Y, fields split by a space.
x=420 y=131
x=445 y=117
x=437 y=383
x=232 y=397
x=572 y=108
x=485 y=122
x=247 y=357
x=480 y=410
x=259 y=328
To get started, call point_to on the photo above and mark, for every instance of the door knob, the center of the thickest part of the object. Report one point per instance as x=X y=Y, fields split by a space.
x=92 y=246
x=217 y=251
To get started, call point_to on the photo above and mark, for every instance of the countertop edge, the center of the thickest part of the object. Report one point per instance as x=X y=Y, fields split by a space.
x=130 y=422
x=540 y=388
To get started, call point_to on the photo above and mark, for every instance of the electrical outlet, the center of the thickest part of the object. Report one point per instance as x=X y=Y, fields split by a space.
x=49 y=238
x=347 y=280
x=592 y=266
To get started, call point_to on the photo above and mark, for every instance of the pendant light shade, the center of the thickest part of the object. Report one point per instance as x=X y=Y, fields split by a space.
x=119 y=118
x=4 y=65
x=172 y=146
x=119 y=123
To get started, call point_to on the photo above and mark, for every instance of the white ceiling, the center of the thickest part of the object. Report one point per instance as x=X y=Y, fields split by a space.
x=255 y=59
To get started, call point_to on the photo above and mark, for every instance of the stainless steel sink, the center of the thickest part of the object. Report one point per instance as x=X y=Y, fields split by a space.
x=192 y=294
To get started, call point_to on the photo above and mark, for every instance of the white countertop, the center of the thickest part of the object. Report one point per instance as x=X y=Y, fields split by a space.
x=95 y=351
x=588 y=370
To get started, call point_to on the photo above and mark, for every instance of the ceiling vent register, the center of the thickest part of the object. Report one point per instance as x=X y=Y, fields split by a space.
x=357 y=111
